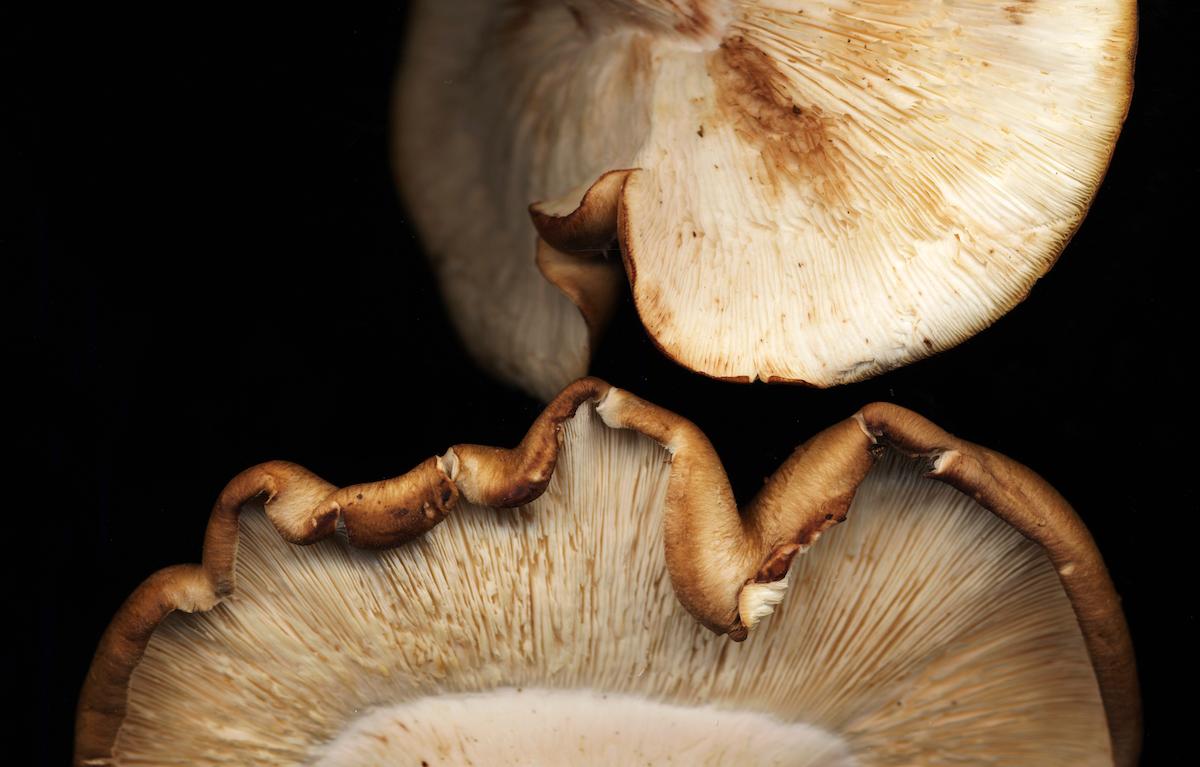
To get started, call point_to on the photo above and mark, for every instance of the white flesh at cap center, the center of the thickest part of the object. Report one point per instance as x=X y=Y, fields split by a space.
x=512 y=726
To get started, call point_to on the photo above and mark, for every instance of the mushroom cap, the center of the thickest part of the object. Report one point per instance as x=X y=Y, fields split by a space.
x=553 y=595
x=814 y=191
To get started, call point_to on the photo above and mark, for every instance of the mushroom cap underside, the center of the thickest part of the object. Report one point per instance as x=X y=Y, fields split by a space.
x=924 y=628
x=803 y=191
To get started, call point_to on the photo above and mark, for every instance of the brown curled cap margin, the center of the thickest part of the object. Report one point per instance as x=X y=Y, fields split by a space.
x=808 y=494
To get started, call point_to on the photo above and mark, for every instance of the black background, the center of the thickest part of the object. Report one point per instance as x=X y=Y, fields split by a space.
x=212 y=269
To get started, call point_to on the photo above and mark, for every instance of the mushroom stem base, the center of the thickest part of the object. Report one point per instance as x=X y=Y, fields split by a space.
x=536 y=726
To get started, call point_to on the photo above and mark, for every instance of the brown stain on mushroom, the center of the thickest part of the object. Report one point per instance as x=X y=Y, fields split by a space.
x=696 y=21
x=1019 y=10
x=754 y=97
x=654 y=308
x=1120 y=52
x=638 y=64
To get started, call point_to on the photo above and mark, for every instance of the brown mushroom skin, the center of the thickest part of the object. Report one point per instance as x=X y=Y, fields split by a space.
x=305 y=509
x=713 y=551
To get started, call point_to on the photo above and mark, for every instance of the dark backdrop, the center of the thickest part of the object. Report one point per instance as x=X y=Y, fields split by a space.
x=213 y=270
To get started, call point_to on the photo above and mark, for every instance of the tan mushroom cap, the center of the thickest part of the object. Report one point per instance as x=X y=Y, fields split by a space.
x=960 y=615
x=818 y=191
